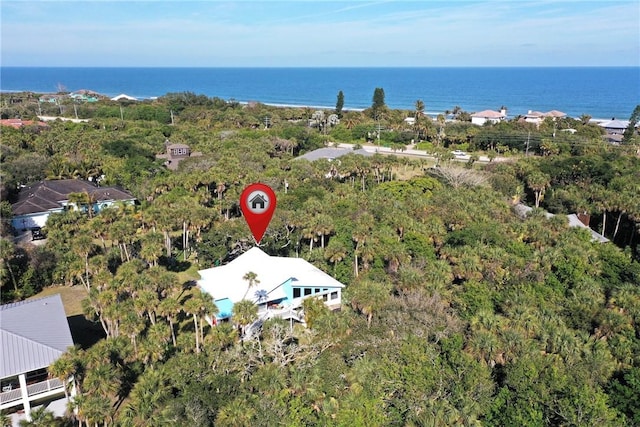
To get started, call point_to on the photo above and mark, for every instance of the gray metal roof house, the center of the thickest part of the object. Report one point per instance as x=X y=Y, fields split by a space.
x=33 y=335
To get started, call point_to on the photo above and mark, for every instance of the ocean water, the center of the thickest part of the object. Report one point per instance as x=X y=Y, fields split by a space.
x=600 y=92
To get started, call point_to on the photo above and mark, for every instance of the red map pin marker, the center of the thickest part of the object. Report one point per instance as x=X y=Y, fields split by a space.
x=258 y=202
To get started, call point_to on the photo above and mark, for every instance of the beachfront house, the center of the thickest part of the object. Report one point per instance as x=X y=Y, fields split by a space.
x=614 y=130
x=614 y=127
x=537 y=117
x=84 y=95
x=124 y=97
x=51 y=98
x=278 y=285
x=33 y=335
x=488 y=116
x=36 y=202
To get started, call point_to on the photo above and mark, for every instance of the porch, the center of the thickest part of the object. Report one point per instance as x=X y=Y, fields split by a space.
x=17 y=391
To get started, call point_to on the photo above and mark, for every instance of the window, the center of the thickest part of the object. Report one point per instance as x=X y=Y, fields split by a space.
x=296 y=292
x=334 y=295
x=307 y=291
x=316 y=291
x=325 y=297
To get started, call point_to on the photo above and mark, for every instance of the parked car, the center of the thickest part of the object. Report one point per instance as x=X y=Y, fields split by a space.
x=37 y=234
x=459 y=153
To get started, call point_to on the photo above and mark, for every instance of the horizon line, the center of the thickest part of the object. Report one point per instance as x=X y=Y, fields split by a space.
x=319 y=66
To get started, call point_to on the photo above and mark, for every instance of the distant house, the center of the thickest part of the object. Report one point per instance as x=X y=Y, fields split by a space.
x=36 y=202
x=537 y=117
x=614 y=127
x=33 y=335
x=124 y=97
x=18 y=123
x=175 y=153
x=488 y=116
x=575 y=220
x=332 y=153
x=85 y=95
x=614 y=130
x=281 y=284
x=51 y=98
x=410 y=121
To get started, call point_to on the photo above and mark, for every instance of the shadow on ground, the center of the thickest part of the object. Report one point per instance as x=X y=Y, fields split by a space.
x=84 y=332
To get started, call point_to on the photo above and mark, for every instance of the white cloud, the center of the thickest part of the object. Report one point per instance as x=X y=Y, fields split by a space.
x=320 y=33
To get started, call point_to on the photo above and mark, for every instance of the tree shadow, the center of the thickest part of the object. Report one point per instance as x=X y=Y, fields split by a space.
x=84 y=332
x=172 y=264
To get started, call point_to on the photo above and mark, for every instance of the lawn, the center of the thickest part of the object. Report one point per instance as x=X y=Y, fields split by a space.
x=84 y=332
x=72 y=297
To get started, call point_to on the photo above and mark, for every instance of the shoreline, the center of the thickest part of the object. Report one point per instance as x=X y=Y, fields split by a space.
x=432 y=114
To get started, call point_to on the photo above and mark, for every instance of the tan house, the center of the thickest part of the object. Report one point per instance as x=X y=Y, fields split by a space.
x=488 y=116
x=537 y=117
x=175 y=153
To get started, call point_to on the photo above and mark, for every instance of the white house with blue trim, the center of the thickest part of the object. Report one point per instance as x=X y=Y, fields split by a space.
x=280 y=285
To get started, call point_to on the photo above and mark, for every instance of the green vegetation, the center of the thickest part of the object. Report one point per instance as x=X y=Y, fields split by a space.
x=456 y=311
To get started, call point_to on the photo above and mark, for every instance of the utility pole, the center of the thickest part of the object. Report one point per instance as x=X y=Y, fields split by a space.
x=527 y=149
x=267 y=122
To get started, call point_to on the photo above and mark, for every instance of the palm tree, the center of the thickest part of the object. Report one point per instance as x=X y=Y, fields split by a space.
x=97 y=409
x=70 y=366
x=335 y=252
x=252 y=278
x=154 y=346
x=83 y=246
x=244 y=313
x=102 y=380
x=7 y=252
x=538 y=182
x=152 y=247
x=39 y=417
x=198 y=306
x=368 y=297
x=149 y=397
x=170 y=308
x=360 y=235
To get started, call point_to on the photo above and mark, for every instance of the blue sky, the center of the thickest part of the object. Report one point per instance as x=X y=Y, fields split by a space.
x=320 y=33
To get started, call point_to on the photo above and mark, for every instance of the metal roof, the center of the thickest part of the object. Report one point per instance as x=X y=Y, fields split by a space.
x=33 y=334
x=332 y=153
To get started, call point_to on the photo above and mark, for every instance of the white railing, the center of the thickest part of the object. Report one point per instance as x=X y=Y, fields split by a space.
x=10 y=396
x=32 y=390
x=44 y=386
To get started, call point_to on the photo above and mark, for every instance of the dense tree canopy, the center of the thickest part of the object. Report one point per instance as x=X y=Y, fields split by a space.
x=457 y=311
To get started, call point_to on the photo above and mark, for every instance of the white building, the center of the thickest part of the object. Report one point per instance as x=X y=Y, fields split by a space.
x=280 y=286
x=537 y=117
x=33 y=335
x=482 y=117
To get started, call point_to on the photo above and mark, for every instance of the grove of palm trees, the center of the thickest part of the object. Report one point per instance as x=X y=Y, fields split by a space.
x=456 y=311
